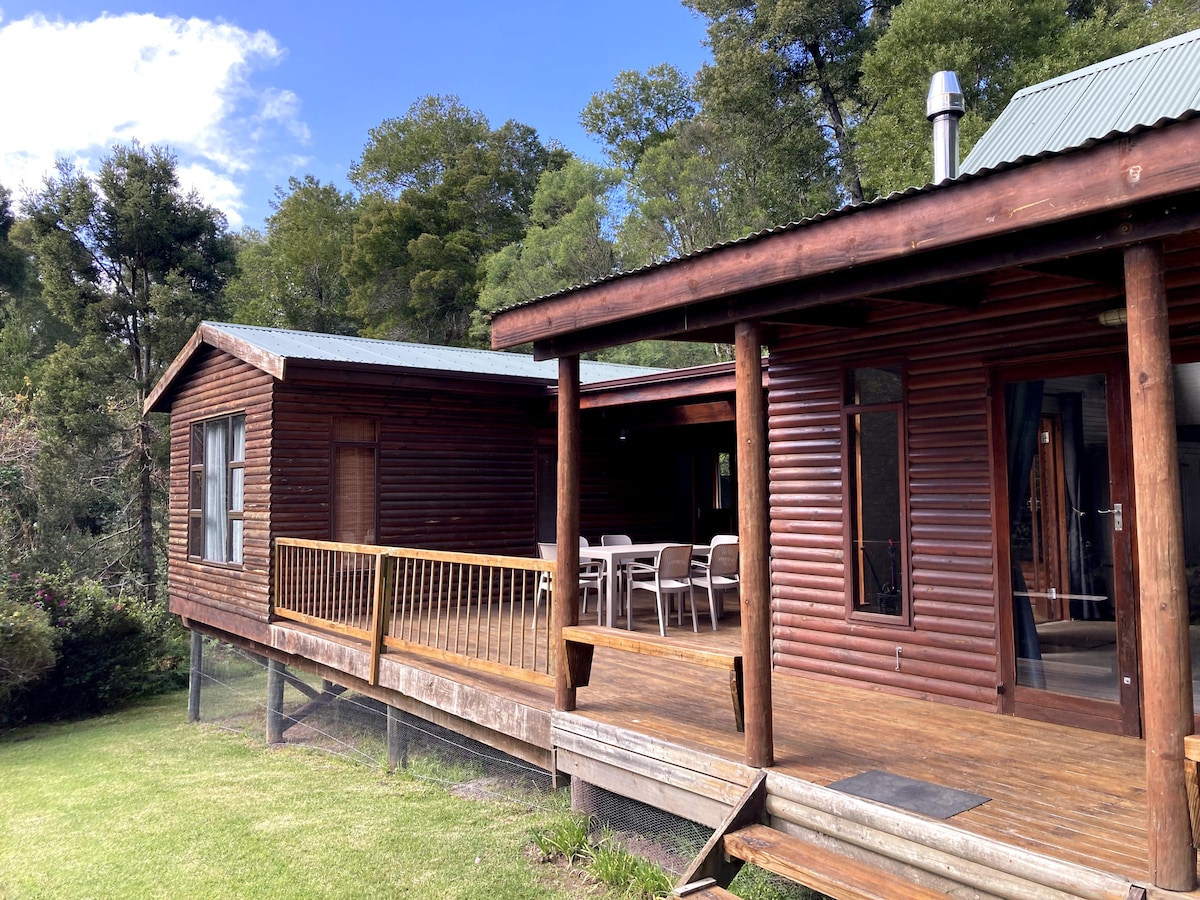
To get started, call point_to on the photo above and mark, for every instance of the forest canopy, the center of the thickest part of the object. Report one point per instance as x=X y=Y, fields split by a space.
x=807 y=105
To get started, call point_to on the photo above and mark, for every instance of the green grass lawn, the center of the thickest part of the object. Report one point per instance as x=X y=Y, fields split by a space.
x=141 y=804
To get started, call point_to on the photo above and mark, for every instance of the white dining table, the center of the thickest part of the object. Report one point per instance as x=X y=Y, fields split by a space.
x=616 y=554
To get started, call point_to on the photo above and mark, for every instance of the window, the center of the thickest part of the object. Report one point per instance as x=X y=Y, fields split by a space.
x=216 y=486
x=873 y=427
x=723 y=481
x=355 y=451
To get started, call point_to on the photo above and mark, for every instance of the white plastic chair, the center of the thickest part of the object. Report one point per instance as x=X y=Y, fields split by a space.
x=670 y=574
x=718 y=574
x=591 y=577
x=615 y=540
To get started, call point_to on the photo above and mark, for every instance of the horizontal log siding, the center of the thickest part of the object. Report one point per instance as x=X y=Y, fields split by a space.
x=220 y=385
x=456 y=471
x=950 y=652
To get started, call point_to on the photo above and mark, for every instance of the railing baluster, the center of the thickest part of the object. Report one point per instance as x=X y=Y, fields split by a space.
x=462 y=607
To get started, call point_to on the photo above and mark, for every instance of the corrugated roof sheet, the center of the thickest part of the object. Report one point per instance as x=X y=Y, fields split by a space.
x=1140 y=88
x=307 y=345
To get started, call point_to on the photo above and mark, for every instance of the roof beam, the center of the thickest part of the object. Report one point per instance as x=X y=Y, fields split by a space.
x=1033 y=246
x=1106 y=178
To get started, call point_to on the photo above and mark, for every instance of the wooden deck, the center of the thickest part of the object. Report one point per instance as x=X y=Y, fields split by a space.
x=1067 y=794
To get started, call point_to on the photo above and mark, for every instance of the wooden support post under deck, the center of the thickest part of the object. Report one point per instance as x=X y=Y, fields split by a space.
x=275 y=678
x=195 y=673
x=1165 y=647
x=397 y=739
x=754 y=540
x=564 y=601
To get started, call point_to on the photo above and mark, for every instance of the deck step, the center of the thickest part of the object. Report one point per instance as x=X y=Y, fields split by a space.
x=706 y=889
x=821 y=869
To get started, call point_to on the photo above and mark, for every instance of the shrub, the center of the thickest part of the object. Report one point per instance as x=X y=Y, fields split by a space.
x=27 y=643
x=111 y=648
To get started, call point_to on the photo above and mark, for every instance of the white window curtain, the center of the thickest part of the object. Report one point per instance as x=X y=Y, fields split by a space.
x=216 y=490
x=236 y=487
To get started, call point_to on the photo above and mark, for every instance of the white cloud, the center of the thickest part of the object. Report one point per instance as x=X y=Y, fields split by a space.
x=181 y=83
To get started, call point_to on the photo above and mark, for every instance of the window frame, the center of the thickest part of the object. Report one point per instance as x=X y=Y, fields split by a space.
x=233 y=485
x=854 y=578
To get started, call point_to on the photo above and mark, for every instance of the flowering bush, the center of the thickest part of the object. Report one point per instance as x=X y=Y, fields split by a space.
x=110 y=648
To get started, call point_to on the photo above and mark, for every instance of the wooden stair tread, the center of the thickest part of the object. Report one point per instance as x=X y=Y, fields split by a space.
x=706 y=889
x=821 y=869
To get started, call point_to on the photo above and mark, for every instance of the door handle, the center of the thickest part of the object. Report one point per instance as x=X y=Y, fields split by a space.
x=1115 y=512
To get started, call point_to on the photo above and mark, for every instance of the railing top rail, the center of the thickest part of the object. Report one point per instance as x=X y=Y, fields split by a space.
x=509 y=562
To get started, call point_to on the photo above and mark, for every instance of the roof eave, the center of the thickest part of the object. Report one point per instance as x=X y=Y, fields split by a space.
x=1110 y=175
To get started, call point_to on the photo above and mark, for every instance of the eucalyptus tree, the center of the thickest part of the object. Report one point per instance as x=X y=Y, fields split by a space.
x=442 y=190
x=132 y=263
x=786 y=78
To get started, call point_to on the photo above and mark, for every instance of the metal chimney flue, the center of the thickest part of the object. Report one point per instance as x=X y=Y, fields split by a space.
x=944 y=107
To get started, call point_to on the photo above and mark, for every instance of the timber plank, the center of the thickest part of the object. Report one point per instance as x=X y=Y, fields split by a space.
x=816 y=867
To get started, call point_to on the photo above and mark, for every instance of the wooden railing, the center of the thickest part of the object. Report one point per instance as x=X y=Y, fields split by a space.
x=471 y=610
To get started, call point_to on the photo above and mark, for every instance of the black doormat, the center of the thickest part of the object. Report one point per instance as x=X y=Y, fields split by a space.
x=909 y=793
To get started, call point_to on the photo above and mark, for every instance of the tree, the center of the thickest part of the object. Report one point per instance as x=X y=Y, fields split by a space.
x=638 y=112
x=566 y=243
x=291 y=276
x=786 y=74
x=685 y=180
x=132 y=264
x=443 y=190
x=996 y=47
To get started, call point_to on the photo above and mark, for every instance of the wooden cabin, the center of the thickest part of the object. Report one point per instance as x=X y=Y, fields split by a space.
x=965 y=501
x=973 y=482
x=317 y=437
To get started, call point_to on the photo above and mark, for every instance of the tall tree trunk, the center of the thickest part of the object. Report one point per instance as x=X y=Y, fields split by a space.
x=850 y=174
x=145 y=463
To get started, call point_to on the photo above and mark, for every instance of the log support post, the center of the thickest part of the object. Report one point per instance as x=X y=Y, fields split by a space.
x=1165 y=651
x=754 y=543
x=275 y=681
x=397 y=739
x=564 y=603
x=195 y=674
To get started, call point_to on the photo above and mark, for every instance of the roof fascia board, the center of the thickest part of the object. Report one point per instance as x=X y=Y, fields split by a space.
x=1155 y=220
x=158 y=400
x=1106 y=176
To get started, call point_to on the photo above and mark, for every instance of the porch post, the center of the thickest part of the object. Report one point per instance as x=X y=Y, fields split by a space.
x=565 y=603
x=1165 y=649
x=754 y=541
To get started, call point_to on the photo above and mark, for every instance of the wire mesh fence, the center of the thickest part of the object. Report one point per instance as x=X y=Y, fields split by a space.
x=354 y=727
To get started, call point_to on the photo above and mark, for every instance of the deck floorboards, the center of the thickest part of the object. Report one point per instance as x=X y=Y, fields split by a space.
x=1065 y=792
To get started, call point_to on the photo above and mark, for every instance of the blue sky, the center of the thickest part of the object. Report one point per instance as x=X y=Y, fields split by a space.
x=248 y=93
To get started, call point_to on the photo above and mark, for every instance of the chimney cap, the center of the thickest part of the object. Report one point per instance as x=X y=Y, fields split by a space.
x=945 y=96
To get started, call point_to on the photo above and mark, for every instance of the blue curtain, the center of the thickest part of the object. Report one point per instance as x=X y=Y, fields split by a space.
x=1022 y=417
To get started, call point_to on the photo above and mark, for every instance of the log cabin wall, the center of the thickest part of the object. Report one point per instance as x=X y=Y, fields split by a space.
x=950 y=645
x=456 y=470
x=233 y=597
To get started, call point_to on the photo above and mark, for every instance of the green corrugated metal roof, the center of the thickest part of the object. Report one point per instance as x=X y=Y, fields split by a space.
x=1142 y=87
x=334 y=348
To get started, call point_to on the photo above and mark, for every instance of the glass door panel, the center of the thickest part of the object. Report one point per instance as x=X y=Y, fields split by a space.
x=1187 y=423
x=1061 y=523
